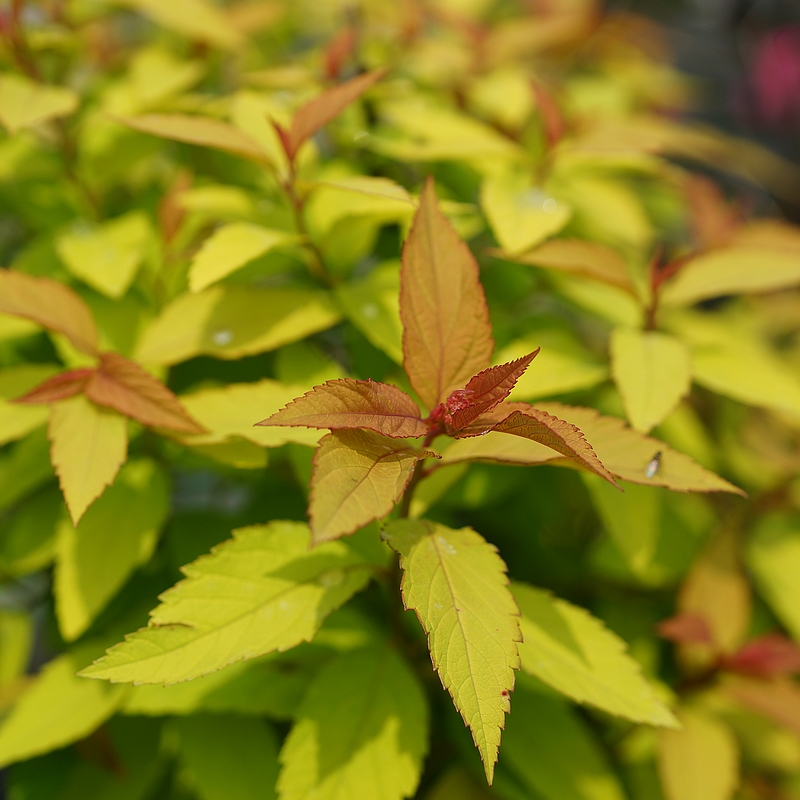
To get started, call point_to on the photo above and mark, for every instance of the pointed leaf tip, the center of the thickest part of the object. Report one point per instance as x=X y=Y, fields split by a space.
x=346 y=403
x=557 y=434
x=447 y=335
x=456 y=583
x=484 y=391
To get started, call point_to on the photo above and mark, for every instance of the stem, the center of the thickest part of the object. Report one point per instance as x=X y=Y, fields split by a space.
x=316 y=264
x=416 y=476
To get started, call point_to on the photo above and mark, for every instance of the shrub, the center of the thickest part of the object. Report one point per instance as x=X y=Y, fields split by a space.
x=252 y=374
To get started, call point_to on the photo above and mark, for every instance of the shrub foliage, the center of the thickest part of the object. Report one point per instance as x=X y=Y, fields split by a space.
x=315 y=316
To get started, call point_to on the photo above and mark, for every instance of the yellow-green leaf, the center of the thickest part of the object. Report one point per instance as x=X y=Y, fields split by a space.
x=18 y=419
x=371 y=305
x=572 y=651
x=16 y=638
x=699 y=762
x=553 y=752
x=88 y=446
x=202 y=131
x=653 y=371
x=456 y=583
x=624 y=452
x=231 y=247
x=234 y=321
x=773 y=555
x=631 y=518
x=733 y=270
x=361 y=732
x=521 y=215
x=106 y=256
x=261 y=591
x=117 y=534
x=24 y=467
x=234 y=410
x=57 y=709
x=23 y=102
x=228 y=757
x=197 y=19
x=358 y=477
x=581 y=258
x=750 y=373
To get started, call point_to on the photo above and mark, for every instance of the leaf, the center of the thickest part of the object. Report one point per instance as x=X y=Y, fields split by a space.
x=16 y=638
x=653 y=371
x=325 y=107
x=18 y=420
x=485 y=391
x=202 y=131
x=361 y=731
x=58 y=387
x=699 y=762
x=347 y=403
x=106 y=256
x=624 y=452
x=717 y=590
x=233 y=410
x=773 y=556
x=553 y=753
x=521 y=215
x=124 y=386
x=28 y=541
x=271 y=686
x=456 y=583
x=56 y=710
x=778 y=700
x=447 y=336
x=24 y=468
x=231 y=247
x=117 y=534
x=233 y=321
x=563 y=437
x=261 y=591
x=197 y=19
x=372 y=306
x=51 y=305
x=24 y=103
x=88 y=446
x=358 y=477
x=572 y=651
x=228 y=757
x=457 y=784
x=737 y=269
x=631 y=518
x=582 y=258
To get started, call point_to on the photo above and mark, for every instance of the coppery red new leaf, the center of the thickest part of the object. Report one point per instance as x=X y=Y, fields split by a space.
x=483 y=392
x=768 y=656
x=59 y=387
x=124 y=386
x=346 y=403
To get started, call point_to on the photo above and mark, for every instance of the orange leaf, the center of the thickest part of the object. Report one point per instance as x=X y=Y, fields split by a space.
x=348 y=403
x=50 y=304
x=59 y=387
x=358 y=476
x=484 y=391
x=322 y=109
x=447 y=336
x=557 y=434
x=778 y=700
x=124 y=386
x=769 y=656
